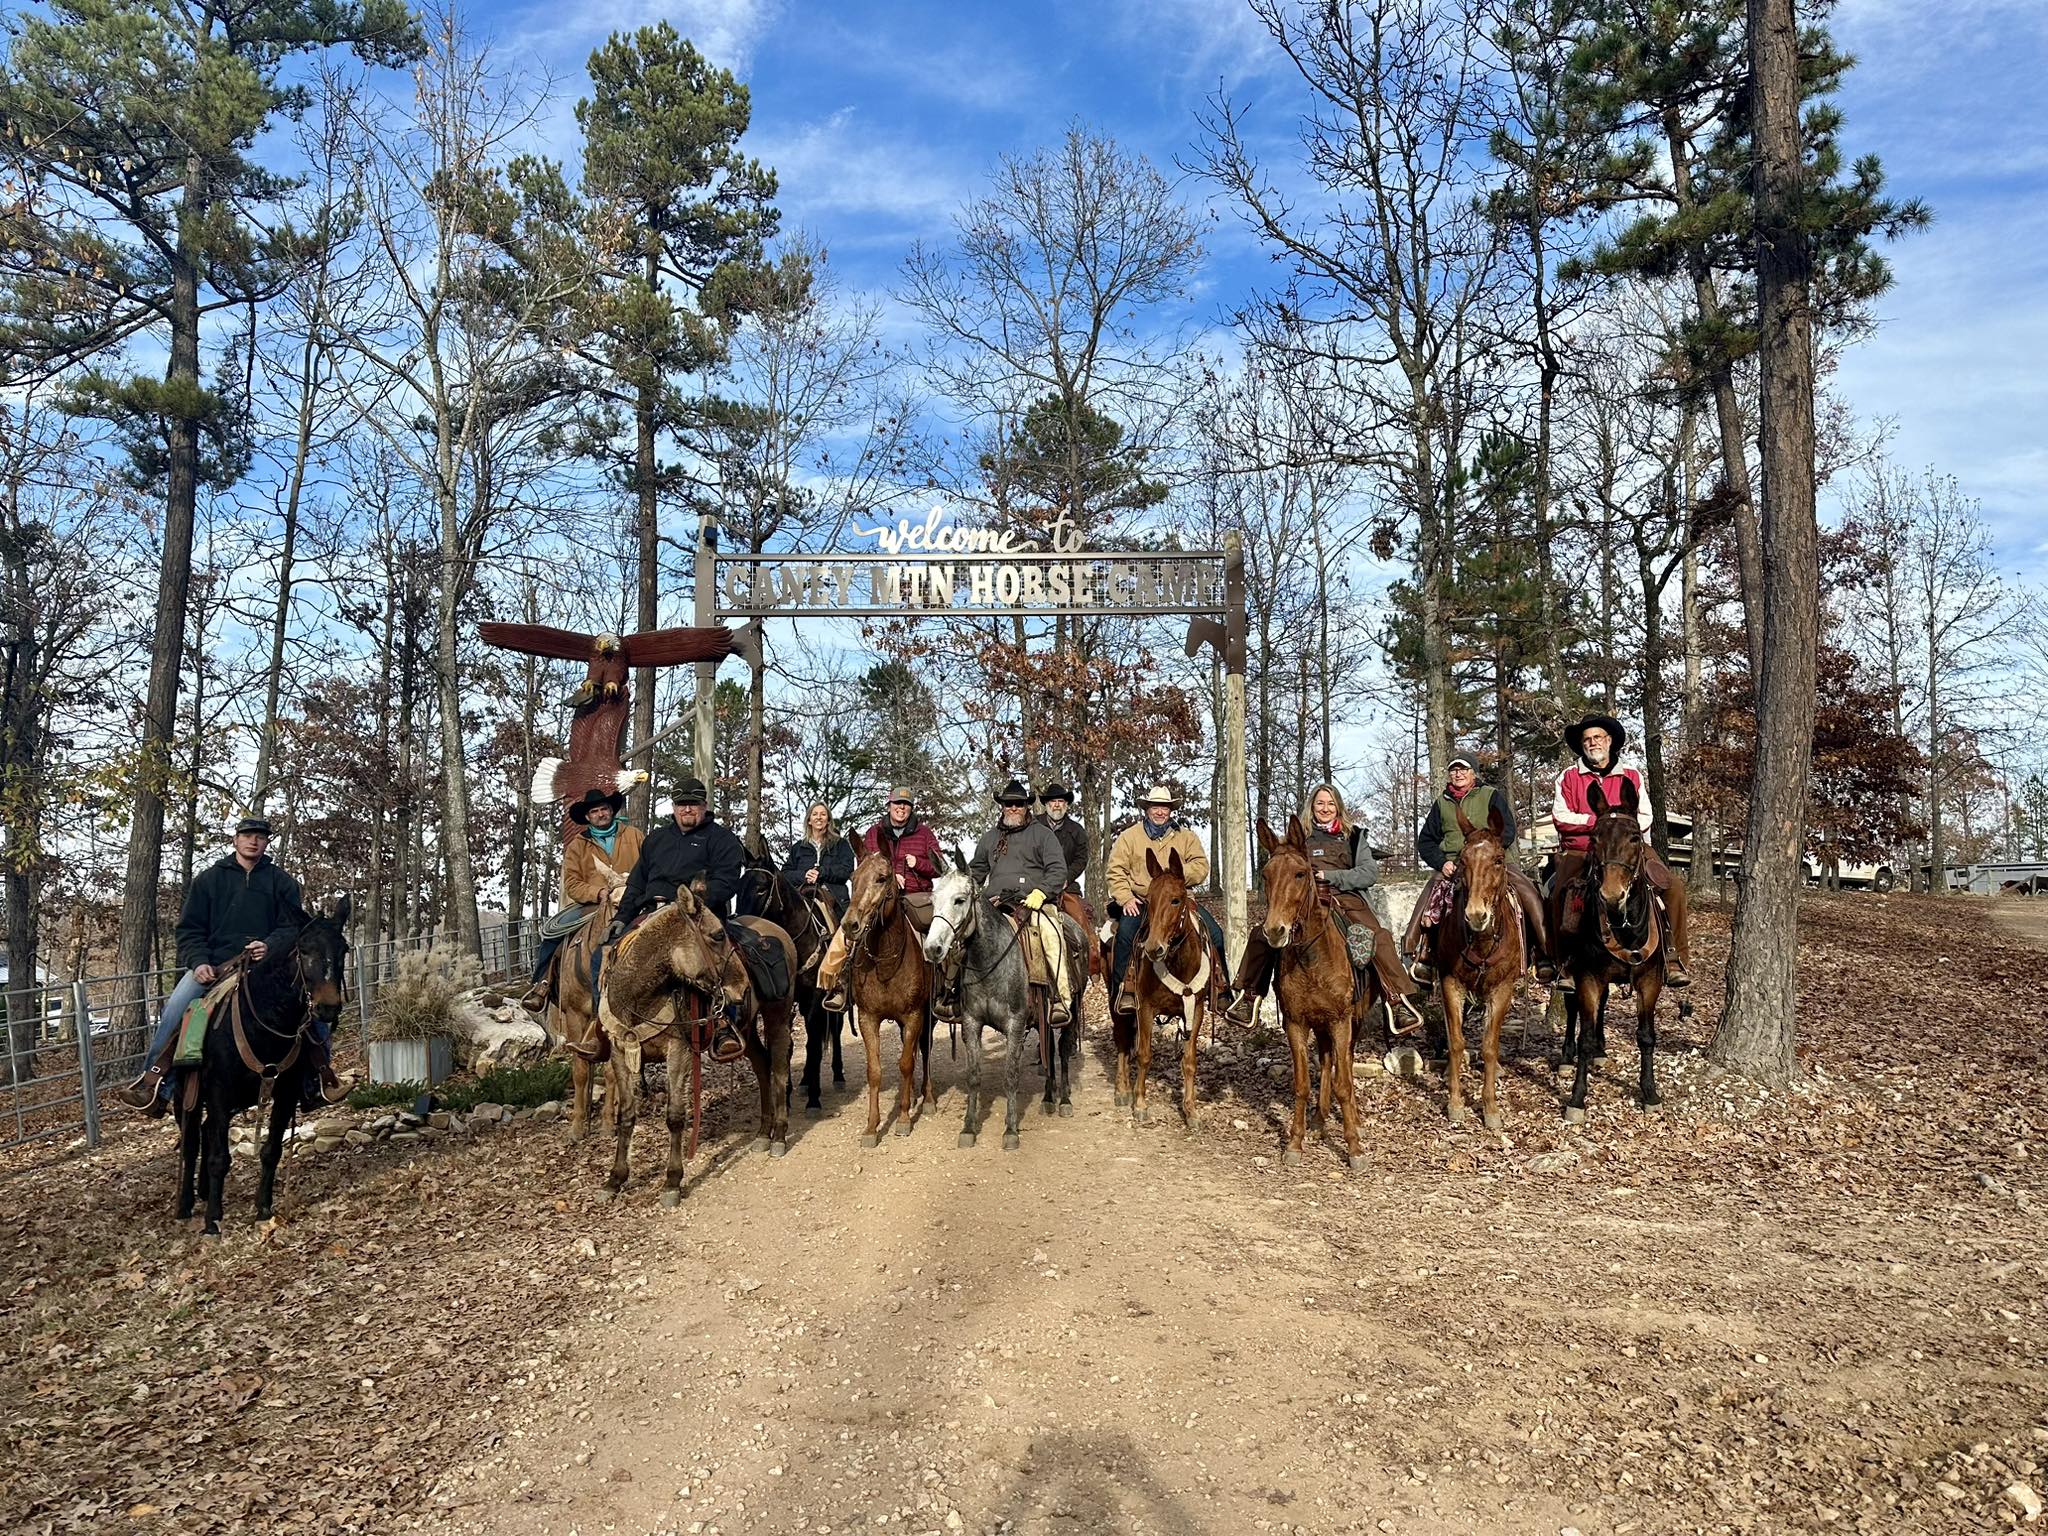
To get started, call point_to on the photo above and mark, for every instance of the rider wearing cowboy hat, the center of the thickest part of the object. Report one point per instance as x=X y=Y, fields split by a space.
x=1021 y=865
x=914 y=855
x=1596 y=742
x=1157 y=832
x=595 y=862
x=1073 y=838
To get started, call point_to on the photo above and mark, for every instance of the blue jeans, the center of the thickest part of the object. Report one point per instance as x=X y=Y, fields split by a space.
x=1127 y=938
x=187 y=992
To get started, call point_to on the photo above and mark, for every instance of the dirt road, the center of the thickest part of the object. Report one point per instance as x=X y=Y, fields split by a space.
x=1744 y=1314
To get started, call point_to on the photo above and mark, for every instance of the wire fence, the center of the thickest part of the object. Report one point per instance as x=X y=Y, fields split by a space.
x=88 y=1036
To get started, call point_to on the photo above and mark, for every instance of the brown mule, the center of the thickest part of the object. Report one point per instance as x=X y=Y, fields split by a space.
x=1480 y=953
x=1319 y=995
x=1172 y=969
x=573 y=1016
x=888 y=977
x=663 y=983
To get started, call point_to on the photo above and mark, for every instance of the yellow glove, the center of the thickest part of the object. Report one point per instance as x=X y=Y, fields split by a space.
x=1035 y=900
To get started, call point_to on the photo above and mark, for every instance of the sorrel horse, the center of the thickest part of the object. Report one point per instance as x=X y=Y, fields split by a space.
x=665 y=984
x=1481 y=951
x=260 y=1045
x=808 y=916
x=1173 y=971
x=887 y=978
x=1322 y=998
x=1620 y=939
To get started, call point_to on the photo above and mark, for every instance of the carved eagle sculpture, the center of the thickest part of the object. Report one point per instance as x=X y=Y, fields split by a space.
x=602 y=701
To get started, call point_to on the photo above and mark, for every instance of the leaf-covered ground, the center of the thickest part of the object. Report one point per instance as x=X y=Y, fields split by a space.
x=1748 y=1313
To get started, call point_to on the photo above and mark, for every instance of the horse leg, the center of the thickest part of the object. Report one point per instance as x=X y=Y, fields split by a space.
x=970 y=1128
x=1498 y=1000
x=579 y=1095
x=838 y=1028
x=1187 y=1069
x=1013 y=1097
x=215 y=1136
x=1454 y=1032
x=871 y=1040
x=284 y=1103
x=1347 y=1097
x=678 y=1057
x=1140 y=1110
x=622 y=1093
x=781 y=1047
x=1070 y=1041
x=1325 y=1079
x=1600 y=1025
x=814 y=1057
x=1590 y=1004
x=1125 y=1035
x=1568 y=1051
x=1297 y=1045
x=906 y=1071
x=1649 y=988
x=188 y=1148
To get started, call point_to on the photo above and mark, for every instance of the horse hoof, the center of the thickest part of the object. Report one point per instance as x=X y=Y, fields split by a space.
x=1289 y=1156
x=968 y=1138
x=671 y=1198
x=608 y=1194
x=1354 y=1161
x=778 y=1149
x=1598 y=1057
x=1122 y=1099
x=1012 y=1141
x=1491 y=1122
x=1143 y=1114
x=813 y=1111
x=1046 y=1108
x=760 y=1143
x=1457 y=1114
x=902 y=1127
x=1066 y=1111
x=1652 y=1104
x=1574 y=1116
x=871 y=1140
x=838 y=1080
x=212 y=1232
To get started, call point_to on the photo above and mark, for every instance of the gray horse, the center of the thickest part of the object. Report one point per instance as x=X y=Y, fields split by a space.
x=994 y=987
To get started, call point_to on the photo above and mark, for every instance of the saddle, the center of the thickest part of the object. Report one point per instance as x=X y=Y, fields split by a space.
x=191 y=1048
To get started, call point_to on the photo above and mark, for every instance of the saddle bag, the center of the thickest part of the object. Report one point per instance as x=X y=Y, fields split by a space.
x=766 y=962
x=191 y=1049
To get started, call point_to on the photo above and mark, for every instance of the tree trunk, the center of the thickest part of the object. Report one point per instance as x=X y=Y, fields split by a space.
x=459 y=903
x=1547 y=371
x=1653 y=700
x=757 y=747
x=1758 y=1030
x=22 y=719
x=647 y=525
x=1937 y=834
x=1432 y=556
x=280 y=617
x=139 y=903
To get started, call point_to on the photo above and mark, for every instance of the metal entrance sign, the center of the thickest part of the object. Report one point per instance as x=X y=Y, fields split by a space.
x=1130 y=584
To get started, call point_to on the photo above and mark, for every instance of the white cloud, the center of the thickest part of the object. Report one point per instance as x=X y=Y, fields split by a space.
x=725 y=31
x=840 y=165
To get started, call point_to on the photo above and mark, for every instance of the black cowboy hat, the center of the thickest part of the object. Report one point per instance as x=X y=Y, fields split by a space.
x=1013 y=793
x=689 y=792
x=592 y=799
x=1054 y=792
x=1616 y=733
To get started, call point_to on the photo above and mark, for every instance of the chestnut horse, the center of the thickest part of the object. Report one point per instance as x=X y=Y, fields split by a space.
x=662 y=984
x=1620 y=939
x=1481 y=951
x=1173 y=970
x=887 y=978
x=1321 y=997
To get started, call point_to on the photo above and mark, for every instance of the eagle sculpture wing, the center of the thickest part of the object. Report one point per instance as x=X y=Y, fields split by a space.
x=539 y=640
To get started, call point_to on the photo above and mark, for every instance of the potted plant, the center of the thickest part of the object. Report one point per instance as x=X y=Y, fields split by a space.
x=413 y=1027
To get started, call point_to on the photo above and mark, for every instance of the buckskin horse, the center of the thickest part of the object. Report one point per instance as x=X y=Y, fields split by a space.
x=1620 y=939
x=575 y=1012
x=259 y=1045
x=887 y=978
x=1322 y=998
x=808 y=915
x=1480 y=951
x=665 y=983
x=995 y=989
x=1173 y=969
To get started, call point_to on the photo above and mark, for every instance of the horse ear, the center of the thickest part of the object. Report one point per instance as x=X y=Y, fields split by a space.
x=1496 y=821
x=1296 y=838
x=1173 y=866
x=1152 y=867
x=959 y=864
x=1267 y=841
x=341 y=911
x=1596 y=798
x=1464 y=823
x=1629 y=798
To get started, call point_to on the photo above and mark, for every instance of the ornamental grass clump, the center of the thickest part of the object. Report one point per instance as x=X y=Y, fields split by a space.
x=422 y=1000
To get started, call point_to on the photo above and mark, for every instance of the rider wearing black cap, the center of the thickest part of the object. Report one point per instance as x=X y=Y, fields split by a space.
x=678 y=851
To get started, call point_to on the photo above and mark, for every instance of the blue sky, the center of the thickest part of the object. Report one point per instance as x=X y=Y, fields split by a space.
x=882 y=117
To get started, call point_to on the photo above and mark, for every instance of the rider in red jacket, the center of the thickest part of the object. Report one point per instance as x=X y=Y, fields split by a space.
x=914 y=853
x=1598 y=740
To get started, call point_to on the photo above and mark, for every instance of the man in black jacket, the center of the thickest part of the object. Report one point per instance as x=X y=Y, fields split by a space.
x=230 y=909
x=677 y=852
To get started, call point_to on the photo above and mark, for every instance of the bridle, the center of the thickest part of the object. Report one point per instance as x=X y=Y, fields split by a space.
x=1319 y=903
x=963 y=931
x=300 y=992
x=1482 y=955
x=1632 y=954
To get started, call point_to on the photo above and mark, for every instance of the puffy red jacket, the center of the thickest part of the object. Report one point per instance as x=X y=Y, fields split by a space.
x=918 y=854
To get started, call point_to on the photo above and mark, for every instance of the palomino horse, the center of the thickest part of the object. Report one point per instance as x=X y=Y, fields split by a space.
x=1172 y=970
x=575 y=1013
x=259 y=1044
x=808 y=915
x=995 y=989
x=664 y=984
x=887 y=978
x=1321 y=996
x=1620 y=939
x=1480 y=955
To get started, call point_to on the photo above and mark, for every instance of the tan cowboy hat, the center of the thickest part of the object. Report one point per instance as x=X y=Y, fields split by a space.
x=1158 y=794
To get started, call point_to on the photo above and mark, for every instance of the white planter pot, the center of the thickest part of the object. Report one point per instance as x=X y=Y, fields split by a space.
x=426 y=1061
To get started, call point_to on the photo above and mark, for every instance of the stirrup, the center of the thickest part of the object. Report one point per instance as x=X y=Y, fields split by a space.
x=726 y=1044
x=1676 y=976
x=144 y=1092
x=835 y=1000
x=1421 y=972
x=1242 y=1008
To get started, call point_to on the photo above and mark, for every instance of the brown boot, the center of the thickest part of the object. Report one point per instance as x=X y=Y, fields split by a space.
x=144 y=1093
x=1243 y=1004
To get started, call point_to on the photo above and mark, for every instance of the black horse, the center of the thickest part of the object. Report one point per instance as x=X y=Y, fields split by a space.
x=808 y=917
x=262 y=1039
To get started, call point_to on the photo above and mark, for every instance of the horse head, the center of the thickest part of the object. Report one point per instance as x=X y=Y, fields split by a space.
x=1616 y=863
x=955 y=900
x=1483 y=869
x=319 y=961
x=1290 y=884
x=1166 y=905
x=874 y=896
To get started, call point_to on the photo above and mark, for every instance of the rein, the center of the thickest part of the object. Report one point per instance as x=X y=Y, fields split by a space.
x=1632 y=956
x=267 y=1073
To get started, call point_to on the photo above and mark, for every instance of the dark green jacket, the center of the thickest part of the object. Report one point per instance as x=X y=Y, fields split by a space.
x=1442 y=839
